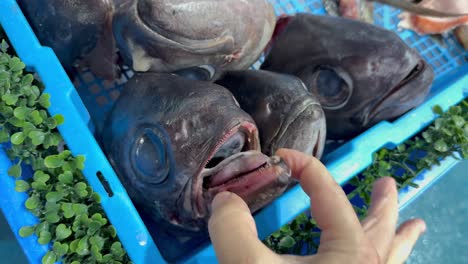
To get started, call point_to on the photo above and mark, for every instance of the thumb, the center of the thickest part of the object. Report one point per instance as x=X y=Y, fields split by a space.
x=233 y=232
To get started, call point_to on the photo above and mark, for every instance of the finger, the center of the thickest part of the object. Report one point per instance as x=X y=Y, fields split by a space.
x=405 y=239
x=330 y=206
x=233 y=232
x=381 y=221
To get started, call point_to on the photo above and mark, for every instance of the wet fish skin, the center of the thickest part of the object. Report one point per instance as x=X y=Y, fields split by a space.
x=361 y=73
x=170 y=139
x=167 y=36
x=286 y=113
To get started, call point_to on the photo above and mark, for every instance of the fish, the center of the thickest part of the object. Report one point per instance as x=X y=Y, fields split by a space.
x=286 y=113
x=361 y=74
x=424 y=24
x=78 y=31
x=167 y=36
x=175 y=143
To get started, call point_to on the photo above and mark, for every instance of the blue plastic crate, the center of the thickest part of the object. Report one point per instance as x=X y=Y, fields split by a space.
x=70 y=98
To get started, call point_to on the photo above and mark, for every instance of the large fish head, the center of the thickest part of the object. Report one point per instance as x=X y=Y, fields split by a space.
x=166 y=36
x=175 y=143
x=287 y=114
x=362 y=74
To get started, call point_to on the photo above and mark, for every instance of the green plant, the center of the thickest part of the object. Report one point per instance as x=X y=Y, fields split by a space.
x=69 y=212
x=446 y=136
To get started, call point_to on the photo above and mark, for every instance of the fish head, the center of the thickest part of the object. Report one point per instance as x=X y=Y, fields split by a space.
x=175 y=143
x=362 y=74
x=286 y=113
x=166 y=36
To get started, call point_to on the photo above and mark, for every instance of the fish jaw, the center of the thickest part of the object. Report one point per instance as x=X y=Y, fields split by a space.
x=304 y=131
x=257 y=184
x=167 y=36
x=401 y=97
x=250 y=174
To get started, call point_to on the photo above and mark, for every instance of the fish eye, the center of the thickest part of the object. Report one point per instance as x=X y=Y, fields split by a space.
x=198 y=73
x=149 y=156
x=333 y=87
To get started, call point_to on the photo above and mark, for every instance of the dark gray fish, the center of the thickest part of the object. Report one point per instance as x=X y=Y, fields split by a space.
x=287 y=115
x=166 y=36
x=175 y=143
x=361 y=73
x=79 y=32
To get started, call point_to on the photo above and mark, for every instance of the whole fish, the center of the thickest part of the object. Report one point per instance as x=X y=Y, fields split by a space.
x=166 y=36
x=422 y=24
x=79 y=32
x=286 y=113
x=175 y=143
x=362 y=74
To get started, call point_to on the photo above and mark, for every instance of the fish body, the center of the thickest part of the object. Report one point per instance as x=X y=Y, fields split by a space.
x=361 y=74
x=77 y=31
x=175 y=143
x=167 y=36
x=286 y=113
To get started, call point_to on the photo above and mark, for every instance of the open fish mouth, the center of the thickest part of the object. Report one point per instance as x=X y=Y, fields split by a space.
x=380 y=108
x=238 y=166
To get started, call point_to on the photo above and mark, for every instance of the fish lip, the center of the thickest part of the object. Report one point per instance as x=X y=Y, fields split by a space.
x=268 y=181
x=251 y=131
x=401 y=85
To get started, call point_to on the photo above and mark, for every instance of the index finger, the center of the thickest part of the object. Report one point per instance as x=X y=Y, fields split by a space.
x=329 y=205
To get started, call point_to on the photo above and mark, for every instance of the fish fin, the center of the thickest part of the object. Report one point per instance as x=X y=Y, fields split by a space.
x=426 y=25
x=416 y=9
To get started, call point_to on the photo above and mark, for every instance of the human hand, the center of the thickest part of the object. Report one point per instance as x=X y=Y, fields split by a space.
x=343 y=239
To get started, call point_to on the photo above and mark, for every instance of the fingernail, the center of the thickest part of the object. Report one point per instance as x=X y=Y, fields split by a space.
x=220 y=199
x=423 y=227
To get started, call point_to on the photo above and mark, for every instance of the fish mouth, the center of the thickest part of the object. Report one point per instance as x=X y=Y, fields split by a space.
x=245 y=171
x=308 y=116
x=415 y=75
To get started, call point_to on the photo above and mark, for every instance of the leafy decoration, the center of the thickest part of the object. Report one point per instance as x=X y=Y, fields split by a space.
x=72 y=221
x=446 y=137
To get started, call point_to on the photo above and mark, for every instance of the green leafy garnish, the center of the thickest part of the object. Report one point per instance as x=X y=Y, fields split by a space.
x=71 y=220
x=447 y=136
